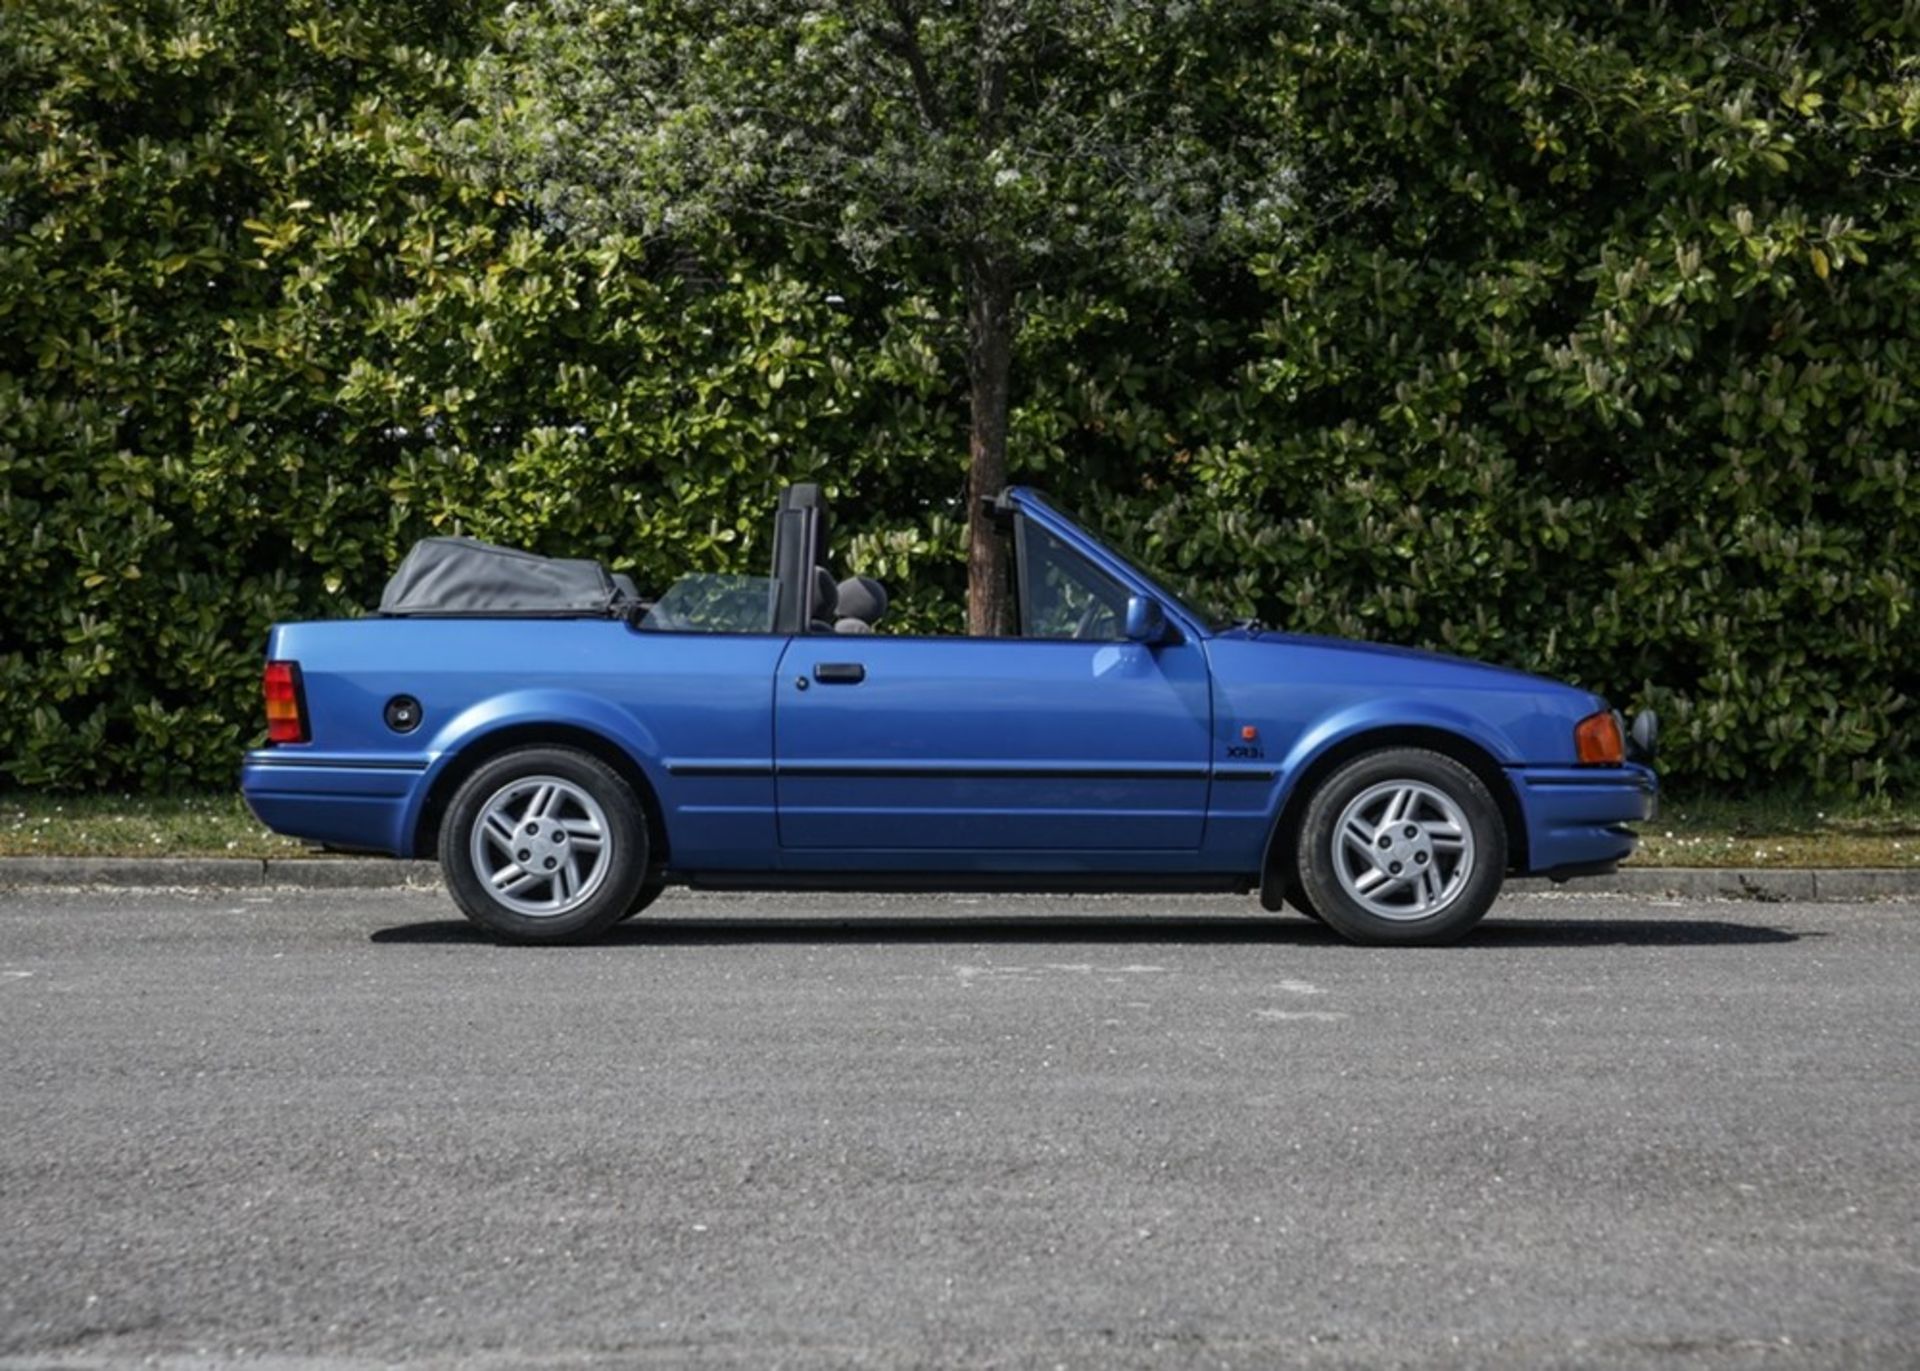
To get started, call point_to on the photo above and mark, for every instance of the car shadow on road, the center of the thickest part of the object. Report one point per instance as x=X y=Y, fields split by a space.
x=1495 y=933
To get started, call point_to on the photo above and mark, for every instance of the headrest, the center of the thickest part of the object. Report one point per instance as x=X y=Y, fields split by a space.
x=826 y=595
x=862 y=597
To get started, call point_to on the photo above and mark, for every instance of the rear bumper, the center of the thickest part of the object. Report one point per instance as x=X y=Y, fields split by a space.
x=339 y=801
x=1577 y=816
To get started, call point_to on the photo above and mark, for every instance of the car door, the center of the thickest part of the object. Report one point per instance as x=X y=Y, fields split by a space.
x=1047 y=741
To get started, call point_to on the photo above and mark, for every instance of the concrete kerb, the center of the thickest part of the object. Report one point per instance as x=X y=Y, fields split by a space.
x=1842 y=885
x=375 y=873
x=217 y=873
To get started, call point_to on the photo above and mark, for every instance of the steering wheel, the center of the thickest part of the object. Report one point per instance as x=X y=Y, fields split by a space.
x=1084 y=628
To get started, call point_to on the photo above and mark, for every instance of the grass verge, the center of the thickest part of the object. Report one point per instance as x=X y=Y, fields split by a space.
x=1769 y=830
x=1781 y=830
x=36 y=825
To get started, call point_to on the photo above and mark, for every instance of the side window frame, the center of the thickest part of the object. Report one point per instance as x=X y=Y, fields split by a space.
x=1023 y=559
x=1023 y=594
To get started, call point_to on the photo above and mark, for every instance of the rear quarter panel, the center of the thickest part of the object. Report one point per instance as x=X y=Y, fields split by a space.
x=694 y=712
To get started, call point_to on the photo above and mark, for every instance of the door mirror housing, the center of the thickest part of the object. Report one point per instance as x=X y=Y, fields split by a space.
x=1146 y=620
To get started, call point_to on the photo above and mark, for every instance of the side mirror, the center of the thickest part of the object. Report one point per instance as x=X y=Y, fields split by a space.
x=1146 y=621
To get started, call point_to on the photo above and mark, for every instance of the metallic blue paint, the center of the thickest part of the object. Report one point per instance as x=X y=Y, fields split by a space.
x=1003 y=743
x=986 y=757
x=1574 y=814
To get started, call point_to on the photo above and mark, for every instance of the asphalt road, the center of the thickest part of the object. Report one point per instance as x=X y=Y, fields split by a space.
x=340 y=1129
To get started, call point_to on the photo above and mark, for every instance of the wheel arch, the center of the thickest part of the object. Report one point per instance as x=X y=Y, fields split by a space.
x=425 y=839
x=1278 y=857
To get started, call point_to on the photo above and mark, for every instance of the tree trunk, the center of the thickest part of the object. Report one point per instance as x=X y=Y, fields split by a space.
x=989 y=365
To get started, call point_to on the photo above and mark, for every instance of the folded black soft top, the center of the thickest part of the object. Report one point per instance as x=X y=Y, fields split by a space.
x=463 y=576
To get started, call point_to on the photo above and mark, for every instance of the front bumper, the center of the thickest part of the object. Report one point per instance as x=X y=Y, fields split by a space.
x=337 y=801
x=1577 y=816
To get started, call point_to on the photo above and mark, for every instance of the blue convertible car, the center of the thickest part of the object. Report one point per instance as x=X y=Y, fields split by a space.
x=566 y=750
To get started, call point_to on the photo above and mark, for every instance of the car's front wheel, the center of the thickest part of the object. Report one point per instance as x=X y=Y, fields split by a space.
x=1402 y=845
x=544 y=844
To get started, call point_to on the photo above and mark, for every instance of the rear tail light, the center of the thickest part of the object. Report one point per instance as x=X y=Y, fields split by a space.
x=1597 y=740
x=286 y=704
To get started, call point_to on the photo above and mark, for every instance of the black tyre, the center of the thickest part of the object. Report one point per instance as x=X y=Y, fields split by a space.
x=1297 y=898
x=1400 y=846
x=545 y=844
x=649 y=892
x=1279 y=892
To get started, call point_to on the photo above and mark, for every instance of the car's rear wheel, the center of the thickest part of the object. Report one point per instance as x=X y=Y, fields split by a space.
x=648 y=893
x=544 y=844
x=1401 y=846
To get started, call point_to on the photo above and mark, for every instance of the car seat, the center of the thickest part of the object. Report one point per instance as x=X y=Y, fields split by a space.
x=861 y=603
x=826 y=602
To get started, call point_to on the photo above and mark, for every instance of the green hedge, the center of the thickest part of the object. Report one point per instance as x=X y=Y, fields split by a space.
x=1592 y=350
x=1602 y=362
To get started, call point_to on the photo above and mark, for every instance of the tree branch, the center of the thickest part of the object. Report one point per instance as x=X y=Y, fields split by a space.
x=993 y=74
x=905 y=44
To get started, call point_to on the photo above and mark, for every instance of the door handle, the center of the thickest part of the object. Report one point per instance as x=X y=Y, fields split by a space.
x=839 y=673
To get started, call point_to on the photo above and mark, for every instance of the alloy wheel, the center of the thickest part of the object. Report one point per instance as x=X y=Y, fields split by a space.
x=541 y=846
x=1403 y=849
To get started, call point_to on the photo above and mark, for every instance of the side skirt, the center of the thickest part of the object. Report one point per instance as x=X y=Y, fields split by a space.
x=970 y=882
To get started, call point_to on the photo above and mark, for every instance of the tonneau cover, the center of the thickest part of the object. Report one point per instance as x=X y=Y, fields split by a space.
x=463 y=576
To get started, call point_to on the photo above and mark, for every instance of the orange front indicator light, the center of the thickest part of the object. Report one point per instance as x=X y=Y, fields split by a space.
x=1597 y=740
x=286 y=709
